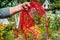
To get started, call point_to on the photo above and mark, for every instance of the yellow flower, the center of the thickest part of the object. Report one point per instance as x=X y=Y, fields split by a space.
x=1 y=38
x=2 y=26
x=1 y=34
x=11 y=31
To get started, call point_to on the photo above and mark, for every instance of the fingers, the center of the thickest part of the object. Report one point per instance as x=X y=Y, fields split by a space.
x=26 y=5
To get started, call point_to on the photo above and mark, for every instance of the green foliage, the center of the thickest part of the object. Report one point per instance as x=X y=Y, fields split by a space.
x=9 y=36
x=9 y=27
x=55 y=3
x=55 y=35
x=53 y=21
x=3 y=3
x=42 y=1
x=9 y=3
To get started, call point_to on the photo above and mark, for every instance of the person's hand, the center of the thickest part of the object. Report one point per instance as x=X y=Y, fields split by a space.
x=19 y=7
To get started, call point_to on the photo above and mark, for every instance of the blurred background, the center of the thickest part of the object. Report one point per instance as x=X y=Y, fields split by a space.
x=52 y=8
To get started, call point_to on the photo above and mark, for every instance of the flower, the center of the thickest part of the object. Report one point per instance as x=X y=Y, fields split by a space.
x=1 y=33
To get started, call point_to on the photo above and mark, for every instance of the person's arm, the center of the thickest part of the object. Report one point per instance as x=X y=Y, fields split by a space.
x=4 y=12
x=7 y=12
x=15 y=9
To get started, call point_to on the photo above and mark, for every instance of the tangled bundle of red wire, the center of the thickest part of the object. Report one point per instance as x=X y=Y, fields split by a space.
x=25 y=17
x=26 y=21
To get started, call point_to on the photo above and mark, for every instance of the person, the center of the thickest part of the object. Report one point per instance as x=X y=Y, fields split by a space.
x=7 y=12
